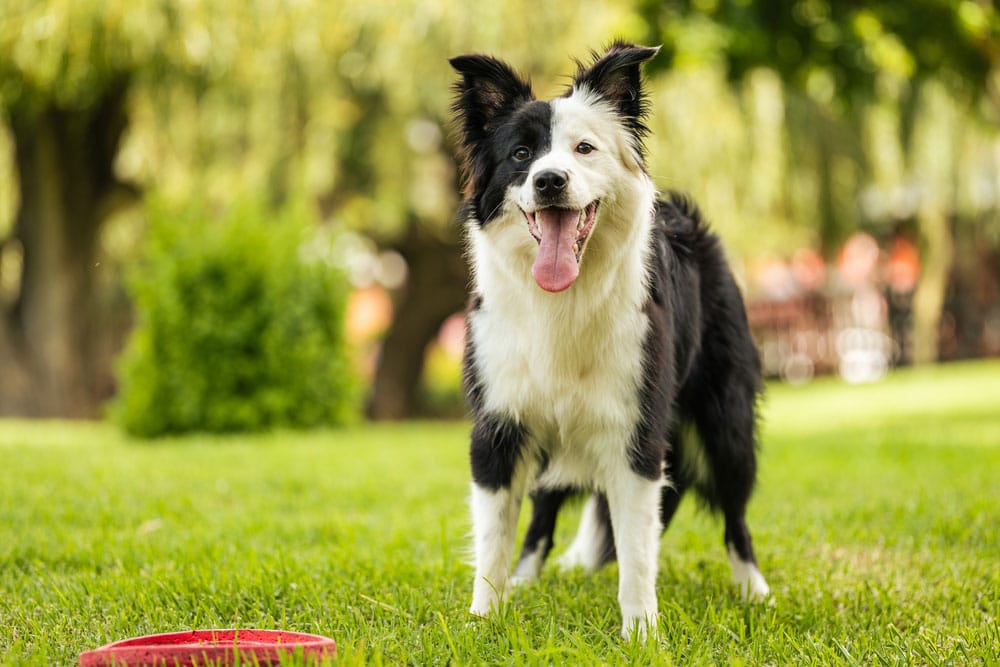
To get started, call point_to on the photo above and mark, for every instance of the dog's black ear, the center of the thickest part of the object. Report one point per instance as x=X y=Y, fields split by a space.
x=615 y=76
x=489 y=89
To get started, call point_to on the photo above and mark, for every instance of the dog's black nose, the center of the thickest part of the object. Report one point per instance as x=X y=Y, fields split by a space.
x=551 y=182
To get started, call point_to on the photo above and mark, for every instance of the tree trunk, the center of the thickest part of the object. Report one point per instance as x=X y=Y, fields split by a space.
x=937 y=250
x=64 y=161
x=932 y=144
x=435 y=290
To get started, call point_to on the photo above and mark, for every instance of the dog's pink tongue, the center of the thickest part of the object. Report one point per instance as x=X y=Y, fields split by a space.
x=555 y=266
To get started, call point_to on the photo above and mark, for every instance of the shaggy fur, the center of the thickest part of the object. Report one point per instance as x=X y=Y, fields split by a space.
x=607 y=346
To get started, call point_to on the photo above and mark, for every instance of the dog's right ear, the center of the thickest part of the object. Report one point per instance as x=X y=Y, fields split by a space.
x=489 y=89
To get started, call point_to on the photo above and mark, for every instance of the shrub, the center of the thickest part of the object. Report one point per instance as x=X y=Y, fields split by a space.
x=235 y=331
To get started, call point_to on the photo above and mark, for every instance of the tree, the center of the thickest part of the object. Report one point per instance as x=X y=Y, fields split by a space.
x=342 y=104
x=70 y=80
x=65 y=108
x=849 y=56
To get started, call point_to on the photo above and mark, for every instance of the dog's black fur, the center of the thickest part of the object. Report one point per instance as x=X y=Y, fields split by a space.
x=702 y=370
x=701 y=374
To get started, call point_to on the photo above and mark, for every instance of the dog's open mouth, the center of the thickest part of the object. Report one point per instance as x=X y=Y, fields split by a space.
x=562 y=235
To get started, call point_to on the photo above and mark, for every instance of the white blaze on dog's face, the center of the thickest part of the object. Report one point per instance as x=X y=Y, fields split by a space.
x=590 y=159
x=555 y=168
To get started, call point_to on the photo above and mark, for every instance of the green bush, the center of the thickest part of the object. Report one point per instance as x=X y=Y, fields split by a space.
x=235 y=331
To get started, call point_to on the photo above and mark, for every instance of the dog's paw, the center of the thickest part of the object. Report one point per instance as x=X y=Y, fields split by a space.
x=527 y=570
x=748 y=579
x=752 y=585
x=481 y=610
x=756 y=592
x=485 y=601
x=517 y=581
x=640 y=627
x=577 y=558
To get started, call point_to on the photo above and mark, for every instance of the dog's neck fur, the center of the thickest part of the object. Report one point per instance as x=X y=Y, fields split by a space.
x=531 y=343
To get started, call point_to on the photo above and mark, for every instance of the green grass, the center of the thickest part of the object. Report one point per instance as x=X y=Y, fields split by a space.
x=875 y=521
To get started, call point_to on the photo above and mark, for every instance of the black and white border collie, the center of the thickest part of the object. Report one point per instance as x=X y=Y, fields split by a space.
x=607 y=347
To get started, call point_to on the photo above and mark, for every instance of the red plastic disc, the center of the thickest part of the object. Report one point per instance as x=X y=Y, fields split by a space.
x=217 y=647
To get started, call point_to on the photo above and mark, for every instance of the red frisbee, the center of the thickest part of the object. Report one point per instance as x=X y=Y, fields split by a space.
x=215 y=647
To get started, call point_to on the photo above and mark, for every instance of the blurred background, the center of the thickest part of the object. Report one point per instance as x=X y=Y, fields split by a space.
x=228 y=215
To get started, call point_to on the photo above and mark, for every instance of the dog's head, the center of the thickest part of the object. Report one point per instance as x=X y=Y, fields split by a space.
x=556 y=168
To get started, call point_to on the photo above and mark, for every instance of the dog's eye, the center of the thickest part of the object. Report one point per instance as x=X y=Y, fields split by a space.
x=583 y=148
x=521 y=153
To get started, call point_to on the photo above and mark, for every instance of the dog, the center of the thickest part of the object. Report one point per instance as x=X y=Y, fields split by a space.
x=607 y=347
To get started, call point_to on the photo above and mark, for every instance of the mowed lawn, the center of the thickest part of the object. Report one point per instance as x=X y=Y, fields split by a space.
x=875 y=522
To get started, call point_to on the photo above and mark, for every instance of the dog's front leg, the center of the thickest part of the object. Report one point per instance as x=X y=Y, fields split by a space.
x=494 y=522
x=499 y=475
x=634 y=502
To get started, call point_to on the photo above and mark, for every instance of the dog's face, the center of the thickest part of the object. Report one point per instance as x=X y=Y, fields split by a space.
x=556 y=169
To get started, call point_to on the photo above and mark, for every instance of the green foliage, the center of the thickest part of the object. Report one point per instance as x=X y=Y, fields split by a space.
x=235 y=330
x=834 y=49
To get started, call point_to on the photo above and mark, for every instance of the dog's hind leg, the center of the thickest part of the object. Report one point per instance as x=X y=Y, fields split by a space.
x=739 y=546
x=675 y=487
x=545 y=504
x=594 y=544
x=725 y=422
x=733 y=469
x=732 y=466
x=670 y=500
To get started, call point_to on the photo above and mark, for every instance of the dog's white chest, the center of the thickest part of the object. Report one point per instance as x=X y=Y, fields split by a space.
x=570 y=375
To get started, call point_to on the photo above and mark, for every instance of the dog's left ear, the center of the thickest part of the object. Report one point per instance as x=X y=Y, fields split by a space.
x=488 y=90
x=615 y=76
